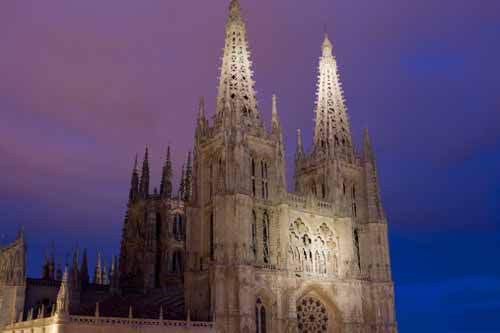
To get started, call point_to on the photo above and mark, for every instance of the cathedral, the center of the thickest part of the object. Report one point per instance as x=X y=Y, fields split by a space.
x=232 y=250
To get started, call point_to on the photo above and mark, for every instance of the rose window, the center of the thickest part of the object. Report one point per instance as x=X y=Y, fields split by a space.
x=312 y=316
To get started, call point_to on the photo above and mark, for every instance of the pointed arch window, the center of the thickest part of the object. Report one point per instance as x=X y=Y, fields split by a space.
x=265 y=192
x=354 y=207
x=211 y=239
x=356 y=247
x=254 y=233
x=260 y=317
x=253 y=177
x=211 y=181
x=265 y=237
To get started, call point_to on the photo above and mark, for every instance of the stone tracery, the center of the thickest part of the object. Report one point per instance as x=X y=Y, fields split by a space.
x=312 y=316
x=312 y=252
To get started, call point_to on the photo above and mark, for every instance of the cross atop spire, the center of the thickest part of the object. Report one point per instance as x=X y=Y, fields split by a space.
x=236 y=101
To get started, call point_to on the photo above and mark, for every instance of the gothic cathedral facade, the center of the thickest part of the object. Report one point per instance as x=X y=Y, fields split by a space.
x=261 y=259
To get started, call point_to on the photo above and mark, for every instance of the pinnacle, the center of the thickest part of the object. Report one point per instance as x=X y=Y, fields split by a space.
x=327 y=46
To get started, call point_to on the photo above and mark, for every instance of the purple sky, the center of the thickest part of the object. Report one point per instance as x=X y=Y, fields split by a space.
x=85 y=85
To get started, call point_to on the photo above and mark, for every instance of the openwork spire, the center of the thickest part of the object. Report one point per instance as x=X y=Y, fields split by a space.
x=332 y=123
x=236 y=100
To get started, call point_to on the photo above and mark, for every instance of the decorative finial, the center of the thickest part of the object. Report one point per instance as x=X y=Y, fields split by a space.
x=327 y=46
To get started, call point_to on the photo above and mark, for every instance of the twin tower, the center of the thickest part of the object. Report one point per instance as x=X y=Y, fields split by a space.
x=247 y=253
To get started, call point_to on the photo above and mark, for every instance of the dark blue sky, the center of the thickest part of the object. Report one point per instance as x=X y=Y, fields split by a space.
x=84 y=85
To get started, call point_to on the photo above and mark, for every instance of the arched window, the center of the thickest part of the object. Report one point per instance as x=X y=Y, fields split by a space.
x=211 y=239
x=211 y=182
x=313 y=188
x=253 y=177
x=265 y=192
x=356 y=247
x=265 y=237
x=260 y=317
x=323 y=191
x=354 y=208
x=254 y=233
x=177 y=265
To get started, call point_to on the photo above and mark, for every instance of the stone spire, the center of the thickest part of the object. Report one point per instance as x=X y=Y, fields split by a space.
x=59 y=273
x=299 y=153
x=84 y=269
x=113 y=274
x=45 y=267
x=201 y=112
x=104 y=273
x=188 y=178
x=144 y=184
x=52 y=263
x=134 y=183
x=98 y=270
x=276 y=126
x=236 y=81
x=375 y=210
x=73 y=273
x=332 y=122
x=63 y=296
x=182 y=184
x=166 y=178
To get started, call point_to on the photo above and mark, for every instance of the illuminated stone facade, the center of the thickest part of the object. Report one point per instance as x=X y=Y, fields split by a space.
x=234 y=250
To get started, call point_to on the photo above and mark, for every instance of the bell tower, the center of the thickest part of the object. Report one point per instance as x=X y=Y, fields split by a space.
x=238 y=172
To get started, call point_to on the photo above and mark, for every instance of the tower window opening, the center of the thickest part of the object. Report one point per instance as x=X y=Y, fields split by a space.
x=323 y=191
x=253 y=177
x=265 y=237
x=211 y=240
x=211 y=182
x=254 y=234
x=356 y=247
x=264 y=189
x=260 y=317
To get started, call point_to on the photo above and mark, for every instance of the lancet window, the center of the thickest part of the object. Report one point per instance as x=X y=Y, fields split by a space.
x=211 y=237
x=265 y=237
x=356 y=247
x=253 y=177
x=265 y=188
x=260 y=317
x=254 y=234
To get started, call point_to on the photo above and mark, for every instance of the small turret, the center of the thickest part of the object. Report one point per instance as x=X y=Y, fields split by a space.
x=59 y=272
x=182 y=184
x=202 y=121
x=276 y=125
x=166 y=179
x=45 y=267
x=134 y=183
x=52 y=263
x=375 y=210
x=144 y=184
x=98 y=270
x=113 y=274
x=63 y=296
x=299 y=153
x=84 y=269
x=104 y=273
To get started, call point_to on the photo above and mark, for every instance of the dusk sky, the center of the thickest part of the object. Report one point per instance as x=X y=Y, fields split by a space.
x=85 y=85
